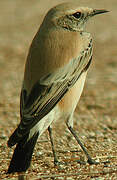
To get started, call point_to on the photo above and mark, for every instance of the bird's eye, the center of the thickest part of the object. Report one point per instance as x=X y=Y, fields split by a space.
x=77 y=15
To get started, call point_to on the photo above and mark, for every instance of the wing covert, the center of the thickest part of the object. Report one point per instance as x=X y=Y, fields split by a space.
x=49 y=90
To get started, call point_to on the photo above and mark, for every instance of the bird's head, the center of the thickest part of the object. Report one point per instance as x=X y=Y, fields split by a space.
x=70 y=16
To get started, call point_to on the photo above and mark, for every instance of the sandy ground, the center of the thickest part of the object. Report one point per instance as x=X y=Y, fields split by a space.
x=96 y=114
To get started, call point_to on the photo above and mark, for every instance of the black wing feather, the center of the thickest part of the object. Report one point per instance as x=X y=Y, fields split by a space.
x=42 y=100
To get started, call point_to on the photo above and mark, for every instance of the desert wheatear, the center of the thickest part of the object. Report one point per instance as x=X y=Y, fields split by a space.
x=55 y=72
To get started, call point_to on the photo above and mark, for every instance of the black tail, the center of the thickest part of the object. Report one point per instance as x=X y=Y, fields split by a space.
x=22 y=156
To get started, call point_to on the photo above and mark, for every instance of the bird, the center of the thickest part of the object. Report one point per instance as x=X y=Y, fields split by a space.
x=55 y=71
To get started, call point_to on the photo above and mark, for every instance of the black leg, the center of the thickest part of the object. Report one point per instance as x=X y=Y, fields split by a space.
x=90 y=160
x=52 y=144
x=21 y=177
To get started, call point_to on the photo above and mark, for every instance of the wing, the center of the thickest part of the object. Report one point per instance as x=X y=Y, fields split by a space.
x=48 y=91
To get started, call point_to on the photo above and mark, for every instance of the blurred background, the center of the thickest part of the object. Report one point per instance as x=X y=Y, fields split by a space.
x=96 y=115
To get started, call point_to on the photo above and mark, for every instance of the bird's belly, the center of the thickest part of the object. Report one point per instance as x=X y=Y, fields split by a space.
x=71 y=98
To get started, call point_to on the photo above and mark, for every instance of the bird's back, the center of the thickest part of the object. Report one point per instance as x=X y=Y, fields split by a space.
x=53 y=51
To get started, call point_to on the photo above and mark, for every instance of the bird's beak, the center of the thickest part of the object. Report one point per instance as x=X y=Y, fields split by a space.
x=97 y=11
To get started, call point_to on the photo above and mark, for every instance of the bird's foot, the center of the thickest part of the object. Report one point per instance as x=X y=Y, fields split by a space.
x=59 y=164
x=92 y=162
